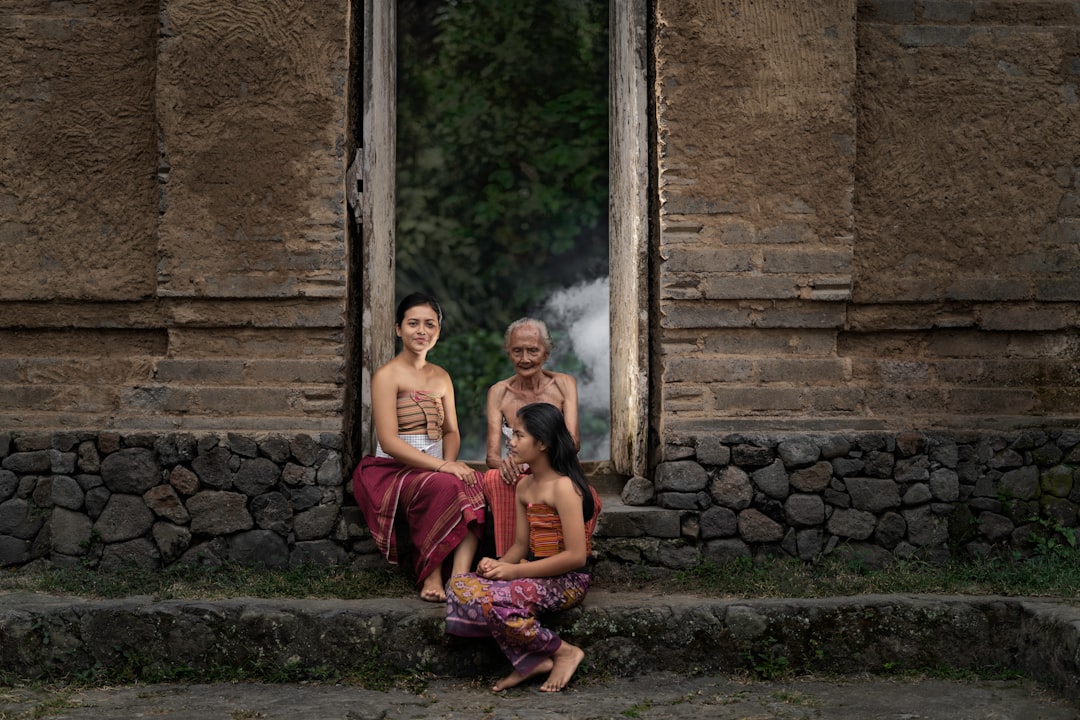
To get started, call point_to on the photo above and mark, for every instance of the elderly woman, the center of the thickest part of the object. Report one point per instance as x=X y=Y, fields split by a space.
x=528 y=344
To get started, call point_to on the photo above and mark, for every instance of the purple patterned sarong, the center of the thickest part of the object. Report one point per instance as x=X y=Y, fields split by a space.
x=507 y=610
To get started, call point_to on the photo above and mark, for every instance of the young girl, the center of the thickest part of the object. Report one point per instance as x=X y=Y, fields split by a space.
x=547 y=567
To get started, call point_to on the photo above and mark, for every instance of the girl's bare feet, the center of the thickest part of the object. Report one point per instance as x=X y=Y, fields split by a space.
x=516 y=678
x=565 y=663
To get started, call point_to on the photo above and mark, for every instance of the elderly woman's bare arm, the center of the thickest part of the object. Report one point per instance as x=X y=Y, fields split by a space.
x=568 y=387
x=494 y=424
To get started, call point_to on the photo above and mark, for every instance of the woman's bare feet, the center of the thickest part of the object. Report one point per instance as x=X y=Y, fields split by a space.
x=565 y=663
x=516 y=678
x=431 y=590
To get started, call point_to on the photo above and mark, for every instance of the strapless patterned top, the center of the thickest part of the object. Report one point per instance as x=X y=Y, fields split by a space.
x=420 y=412
x=420 y=422
x=545 y=532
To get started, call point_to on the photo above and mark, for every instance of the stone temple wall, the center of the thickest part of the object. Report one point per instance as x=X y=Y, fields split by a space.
x=867 y=216
x=149 y=500
x=172 y=215
x=862 y=304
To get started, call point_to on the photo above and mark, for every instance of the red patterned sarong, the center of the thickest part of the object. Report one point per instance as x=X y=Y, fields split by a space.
x=501 y=498
x=437 y=509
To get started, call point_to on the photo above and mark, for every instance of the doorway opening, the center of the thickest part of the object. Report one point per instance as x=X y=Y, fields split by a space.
x=626 y=223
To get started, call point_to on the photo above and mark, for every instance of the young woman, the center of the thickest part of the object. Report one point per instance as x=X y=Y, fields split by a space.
x=415 y=477
x=547 y=567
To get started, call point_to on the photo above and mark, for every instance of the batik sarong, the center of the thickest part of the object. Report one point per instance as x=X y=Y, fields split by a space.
x=507 y=610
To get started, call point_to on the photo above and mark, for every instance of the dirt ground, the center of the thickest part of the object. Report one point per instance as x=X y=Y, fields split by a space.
x=658 y=695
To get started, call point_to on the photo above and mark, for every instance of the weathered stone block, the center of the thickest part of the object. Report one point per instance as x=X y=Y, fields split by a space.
x=851 y=523
x=733 y=489
x=756 y=527
x=218 y=513
x=165 y=503
x=803 y=510
x=873 y=494
x=125 y=517
x=259 y=548
x=772 y=480
x=812 y=479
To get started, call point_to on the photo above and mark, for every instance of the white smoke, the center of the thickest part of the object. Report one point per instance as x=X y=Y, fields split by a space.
x=582 y=312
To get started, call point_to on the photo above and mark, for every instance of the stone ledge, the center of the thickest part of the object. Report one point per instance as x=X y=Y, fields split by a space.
x=623 y=634
x=619 y=520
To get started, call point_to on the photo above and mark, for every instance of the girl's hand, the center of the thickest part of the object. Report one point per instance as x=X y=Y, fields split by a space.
x=461 y=470
x=496 y=569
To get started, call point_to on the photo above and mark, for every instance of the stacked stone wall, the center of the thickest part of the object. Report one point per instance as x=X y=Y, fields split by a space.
x=872 y=497
x=108 y=500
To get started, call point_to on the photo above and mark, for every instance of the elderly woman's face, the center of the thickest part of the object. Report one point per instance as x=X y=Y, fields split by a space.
x=526 y=350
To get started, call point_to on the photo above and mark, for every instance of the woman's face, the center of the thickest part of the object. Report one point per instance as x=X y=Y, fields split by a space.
x=526 y=351
x=419 y=329
x=524 y=447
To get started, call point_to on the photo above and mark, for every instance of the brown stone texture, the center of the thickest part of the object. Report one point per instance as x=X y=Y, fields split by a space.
x=867 y=214
x=78 y=191
x=967 y=174
x=251 y=98
x=172 y=214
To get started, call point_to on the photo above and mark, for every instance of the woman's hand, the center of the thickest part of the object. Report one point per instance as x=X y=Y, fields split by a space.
x=461 y=470
x=510 y=471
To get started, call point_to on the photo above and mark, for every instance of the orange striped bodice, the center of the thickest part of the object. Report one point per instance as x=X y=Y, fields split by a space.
x=545 y=532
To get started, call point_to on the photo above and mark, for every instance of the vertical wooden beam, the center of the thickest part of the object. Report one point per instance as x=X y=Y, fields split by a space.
x=379 y=113
x=629 y=168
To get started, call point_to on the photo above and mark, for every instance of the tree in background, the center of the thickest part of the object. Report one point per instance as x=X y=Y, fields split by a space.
x=502 y=170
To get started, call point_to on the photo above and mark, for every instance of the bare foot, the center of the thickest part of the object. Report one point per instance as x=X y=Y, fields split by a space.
x=432 y=590
x=433 y=595
x=565 y=662
x=516 y=678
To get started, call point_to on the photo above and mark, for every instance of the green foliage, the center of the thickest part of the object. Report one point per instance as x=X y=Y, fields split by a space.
x=224 y=581
x=1051 y=575
x=767 y=665
x=475 y=369
x=1056 y=540
x=502 y=169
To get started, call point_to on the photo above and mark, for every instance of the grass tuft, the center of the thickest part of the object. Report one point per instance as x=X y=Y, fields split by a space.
x=1055 y=575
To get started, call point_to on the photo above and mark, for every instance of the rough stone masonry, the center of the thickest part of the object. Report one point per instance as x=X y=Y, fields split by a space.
x=113 y=500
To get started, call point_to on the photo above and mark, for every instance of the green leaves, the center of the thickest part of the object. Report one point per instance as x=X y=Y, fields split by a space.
x=502 y=169
x=502 y=152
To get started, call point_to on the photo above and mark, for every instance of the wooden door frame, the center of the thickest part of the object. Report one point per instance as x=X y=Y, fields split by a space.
x=628 y=234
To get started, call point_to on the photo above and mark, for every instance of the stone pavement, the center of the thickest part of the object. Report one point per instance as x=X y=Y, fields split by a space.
x=654 y=695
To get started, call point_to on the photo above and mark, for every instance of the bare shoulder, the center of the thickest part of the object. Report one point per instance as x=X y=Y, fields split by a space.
x=566 y=382
x=498 y=390
x=439 y=379
x=389 y=373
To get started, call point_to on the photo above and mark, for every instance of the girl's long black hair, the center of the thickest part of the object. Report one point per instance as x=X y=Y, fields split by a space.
x=545 y=422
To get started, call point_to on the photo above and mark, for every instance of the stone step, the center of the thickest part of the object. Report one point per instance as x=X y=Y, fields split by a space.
x=623 y=634
x=619 y=520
